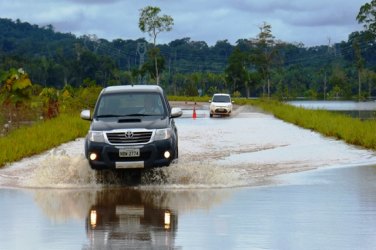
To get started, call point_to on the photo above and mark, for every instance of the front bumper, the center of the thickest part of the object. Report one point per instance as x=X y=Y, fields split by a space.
x=220 y=110
x=151 y=155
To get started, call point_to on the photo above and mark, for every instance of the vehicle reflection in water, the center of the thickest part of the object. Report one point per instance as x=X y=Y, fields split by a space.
x=124 y=219
x=143 y=217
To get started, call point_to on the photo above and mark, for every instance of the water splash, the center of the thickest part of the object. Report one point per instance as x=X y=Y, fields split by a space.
x=195 y=175
x=60 y=170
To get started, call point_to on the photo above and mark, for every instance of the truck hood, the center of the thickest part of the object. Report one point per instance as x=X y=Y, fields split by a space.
x=147 y=122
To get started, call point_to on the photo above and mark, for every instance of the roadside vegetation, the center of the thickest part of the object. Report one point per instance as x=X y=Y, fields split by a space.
x=34 y=119
x=339 y=126
x=43 y=135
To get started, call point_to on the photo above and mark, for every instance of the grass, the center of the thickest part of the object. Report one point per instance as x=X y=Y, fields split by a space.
x=340 y=126
x=30 y=140
x=189 y=98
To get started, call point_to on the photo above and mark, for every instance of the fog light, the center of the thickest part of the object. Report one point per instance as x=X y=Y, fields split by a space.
x=167 y=219
x=93 y=156
x=93 y=218
x=167 y=154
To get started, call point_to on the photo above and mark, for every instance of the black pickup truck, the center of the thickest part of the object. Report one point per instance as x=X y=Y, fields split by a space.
x=132 y=127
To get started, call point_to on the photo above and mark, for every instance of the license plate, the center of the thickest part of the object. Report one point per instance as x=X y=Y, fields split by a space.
x=129 y=152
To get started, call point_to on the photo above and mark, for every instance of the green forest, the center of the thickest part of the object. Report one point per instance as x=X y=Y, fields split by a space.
x=53 y=59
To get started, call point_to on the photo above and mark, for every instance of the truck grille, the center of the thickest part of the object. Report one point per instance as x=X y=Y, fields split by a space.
x=129 y=137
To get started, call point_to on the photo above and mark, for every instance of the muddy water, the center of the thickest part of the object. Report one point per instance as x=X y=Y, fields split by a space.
x=225 y=192
x=333 y=208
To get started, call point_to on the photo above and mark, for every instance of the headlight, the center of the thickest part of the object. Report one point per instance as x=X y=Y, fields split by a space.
x=96 y=136
x=162 y=134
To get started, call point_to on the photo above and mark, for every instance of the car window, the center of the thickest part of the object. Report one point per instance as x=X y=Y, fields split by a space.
x=221 y=98
x=123 y=104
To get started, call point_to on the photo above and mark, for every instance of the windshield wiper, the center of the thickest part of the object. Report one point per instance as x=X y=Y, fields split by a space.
x=138 y=115
x=109 y=115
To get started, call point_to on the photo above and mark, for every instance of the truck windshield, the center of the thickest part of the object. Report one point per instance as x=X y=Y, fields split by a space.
x=130 y=104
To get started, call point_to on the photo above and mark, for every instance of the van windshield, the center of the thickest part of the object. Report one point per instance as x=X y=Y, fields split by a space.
x=221 y=98
x=130 y=104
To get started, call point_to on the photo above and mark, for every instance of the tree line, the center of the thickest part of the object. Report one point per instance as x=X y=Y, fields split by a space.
x=260 y=66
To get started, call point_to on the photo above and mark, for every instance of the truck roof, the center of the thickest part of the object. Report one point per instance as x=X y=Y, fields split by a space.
x=132 y=88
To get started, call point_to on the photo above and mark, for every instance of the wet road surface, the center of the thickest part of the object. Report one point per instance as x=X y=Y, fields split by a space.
x=226 y=192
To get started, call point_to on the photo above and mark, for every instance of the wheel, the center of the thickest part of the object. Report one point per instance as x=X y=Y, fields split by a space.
x=211 y=115
x=177 y=152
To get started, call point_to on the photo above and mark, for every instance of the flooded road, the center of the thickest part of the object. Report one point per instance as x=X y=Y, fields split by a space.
x=232 y=188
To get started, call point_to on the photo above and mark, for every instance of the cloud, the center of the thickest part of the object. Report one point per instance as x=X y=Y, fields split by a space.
x=304 y=21
x=90 y=2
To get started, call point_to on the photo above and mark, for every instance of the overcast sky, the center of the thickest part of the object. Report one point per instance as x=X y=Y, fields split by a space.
x=311 y=22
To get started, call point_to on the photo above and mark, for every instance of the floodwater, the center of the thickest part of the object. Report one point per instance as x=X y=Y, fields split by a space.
x=362 y=110
x=337 y=105
x=240 y=183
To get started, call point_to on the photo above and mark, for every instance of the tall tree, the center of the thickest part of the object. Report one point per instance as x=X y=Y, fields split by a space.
x=151 y=22
x=367 y=16
x=369 y=77
x=150 y=64
x=236 y=71
x=340 y=82
x=266 y=53
x=359 y=61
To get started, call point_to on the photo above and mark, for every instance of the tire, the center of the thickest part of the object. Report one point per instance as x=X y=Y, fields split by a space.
x=176 y=152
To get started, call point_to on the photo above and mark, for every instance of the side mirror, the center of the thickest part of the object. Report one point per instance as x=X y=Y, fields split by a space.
x=176 y=112
x=85 y=114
